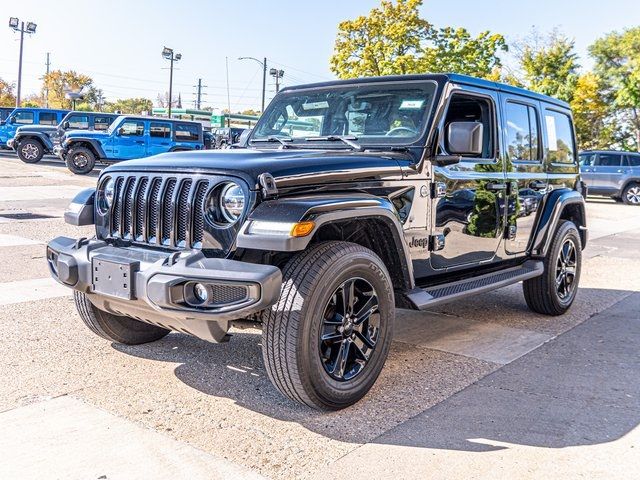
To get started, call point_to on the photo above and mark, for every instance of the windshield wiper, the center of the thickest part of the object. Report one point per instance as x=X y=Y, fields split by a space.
x=347 y=139
x=272 y=138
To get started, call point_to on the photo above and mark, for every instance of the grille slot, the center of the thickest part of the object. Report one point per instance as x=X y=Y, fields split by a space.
x=160 y=210
x=224 y=294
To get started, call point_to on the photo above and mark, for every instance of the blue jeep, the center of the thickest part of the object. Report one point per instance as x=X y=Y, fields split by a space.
x=128 y=137
x=4 y=113
x=28 y=116
x=31 y=142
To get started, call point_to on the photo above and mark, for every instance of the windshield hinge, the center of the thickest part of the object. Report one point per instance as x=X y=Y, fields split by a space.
x=268 y=184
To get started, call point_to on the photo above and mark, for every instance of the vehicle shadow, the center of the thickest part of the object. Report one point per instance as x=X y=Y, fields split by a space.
x=578 y=389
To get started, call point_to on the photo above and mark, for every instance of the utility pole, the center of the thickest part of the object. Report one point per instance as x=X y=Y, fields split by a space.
x=277 y=74
x=263 y=64
x=46 y=98
x=199 y=94
x=226 y=59
x=19 y=26
x=167 y=54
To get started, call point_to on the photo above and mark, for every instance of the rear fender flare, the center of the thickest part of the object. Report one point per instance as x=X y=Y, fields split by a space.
x=556 y=207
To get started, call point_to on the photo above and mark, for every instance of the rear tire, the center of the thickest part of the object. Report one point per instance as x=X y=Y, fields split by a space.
x=631 y=194
x=115 y=328
x=80 y=160
x=30 y=151
x=553 y=292
x=314 y=352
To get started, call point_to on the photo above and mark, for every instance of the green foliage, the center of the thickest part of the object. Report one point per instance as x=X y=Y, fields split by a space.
x=617 y=62
x=394 y=39
x=591 y=113
x=550 y=66
x=7 y=98
x=130 y=105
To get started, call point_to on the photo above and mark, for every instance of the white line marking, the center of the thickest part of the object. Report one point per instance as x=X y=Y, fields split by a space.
x=31 y=290
x=14 y=241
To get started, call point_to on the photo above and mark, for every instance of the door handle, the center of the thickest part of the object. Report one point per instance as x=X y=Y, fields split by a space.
x=140 y=142
x=537 y=184
x=496 y=186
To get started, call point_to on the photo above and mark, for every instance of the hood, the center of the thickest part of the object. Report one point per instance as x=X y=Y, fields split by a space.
x=289 y=167
x=85 y=134
x=37 y=128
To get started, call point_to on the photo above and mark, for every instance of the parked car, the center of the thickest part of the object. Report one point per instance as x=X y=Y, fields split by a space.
x=227 y=136
x=328 y=220
x=612 y=174
x=28 y=116
x=4 y=113
x=32 y=142
x=207 y=139
x=530 y=199
x=128 y=137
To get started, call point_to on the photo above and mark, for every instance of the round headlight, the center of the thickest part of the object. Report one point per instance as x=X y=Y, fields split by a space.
x=109 y=191
x=232 y=202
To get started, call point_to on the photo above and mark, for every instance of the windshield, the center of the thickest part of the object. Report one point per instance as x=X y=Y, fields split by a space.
x=114 y=125
x=374 y=114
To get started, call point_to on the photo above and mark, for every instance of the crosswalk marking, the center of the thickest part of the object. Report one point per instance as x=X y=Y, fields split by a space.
x=15 y=241
x=31 y=290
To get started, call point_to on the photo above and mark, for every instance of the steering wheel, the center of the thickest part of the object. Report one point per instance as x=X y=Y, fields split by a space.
x=393 y=131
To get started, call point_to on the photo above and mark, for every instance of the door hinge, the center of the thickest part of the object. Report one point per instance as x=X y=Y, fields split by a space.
x=438 y=189
x=436 y=242
x=268 y=184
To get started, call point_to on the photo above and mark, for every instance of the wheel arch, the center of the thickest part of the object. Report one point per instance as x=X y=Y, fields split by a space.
x=92 y=145
x=45 y=143
x=563 y=204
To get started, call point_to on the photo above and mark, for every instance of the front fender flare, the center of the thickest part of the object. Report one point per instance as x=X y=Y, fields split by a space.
x=97 y=147
x=43 y=138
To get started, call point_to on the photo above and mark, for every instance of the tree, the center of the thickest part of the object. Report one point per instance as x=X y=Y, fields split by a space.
x=130 y=105
x=394 y=39
x=617 y=62
x=549 y=65
x=591 y=113
x=57 y=83
x=7 y=98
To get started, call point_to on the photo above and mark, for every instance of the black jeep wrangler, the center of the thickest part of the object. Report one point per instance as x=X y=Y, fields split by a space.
x=341 y=207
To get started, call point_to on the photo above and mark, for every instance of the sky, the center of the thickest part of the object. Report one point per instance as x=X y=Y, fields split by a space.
x=118 y=42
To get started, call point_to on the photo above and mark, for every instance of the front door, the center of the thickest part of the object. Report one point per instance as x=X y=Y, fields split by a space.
x=130 y=141
x=607 y=172
x=469 y=210
x=526 y=176
x=159 y=138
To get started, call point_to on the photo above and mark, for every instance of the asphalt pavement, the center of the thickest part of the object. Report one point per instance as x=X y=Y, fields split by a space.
x=478 y=389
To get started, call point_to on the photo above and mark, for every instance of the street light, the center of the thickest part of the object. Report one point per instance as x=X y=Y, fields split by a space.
x=18 y=26
x=277 y=74
x=263 y=64
x=167 y=54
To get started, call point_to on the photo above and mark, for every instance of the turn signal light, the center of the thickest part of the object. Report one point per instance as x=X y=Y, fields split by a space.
x=302 y=229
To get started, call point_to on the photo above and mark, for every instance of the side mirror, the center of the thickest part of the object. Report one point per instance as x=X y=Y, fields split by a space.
x=120 y=131
x=244 y=137
x=464 y=138
x=12 y=120
x=65 y=125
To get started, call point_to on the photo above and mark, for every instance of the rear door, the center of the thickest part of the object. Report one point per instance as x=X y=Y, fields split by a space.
x=159 y=138
x=48 y=118
x=526 y=176
x=607 y=172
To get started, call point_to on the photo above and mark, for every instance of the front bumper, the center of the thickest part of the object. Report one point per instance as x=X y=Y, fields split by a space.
x=155 y=287
x=59 y=151
x=10 y=143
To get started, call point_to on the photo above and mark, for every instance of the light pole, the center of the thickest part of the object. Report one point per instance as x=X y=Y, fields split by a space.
x=19 y=26
x=277 y=74
x=263 y=64
x=167 y=54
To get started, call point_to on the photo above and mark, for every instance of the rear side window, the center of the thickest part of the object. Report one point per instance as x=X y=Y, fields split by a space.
x=78 y=121
x=101 y=123
x=587 y=159
x=132 y=129
x=561 y=147
x=24 y=118
x=609 y=160
x=522 y=132
x=186 y=132
x=633 y=160
x=160 y=130
x=48 y=118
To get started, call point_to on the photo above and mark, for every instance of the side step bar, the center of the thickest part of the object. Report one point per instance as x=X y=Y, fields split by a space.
x=448 y=292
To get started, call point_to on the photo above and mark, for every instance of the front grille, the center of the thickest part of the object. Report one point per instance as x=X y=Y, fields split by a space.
x=166 y=211
x=225 y=294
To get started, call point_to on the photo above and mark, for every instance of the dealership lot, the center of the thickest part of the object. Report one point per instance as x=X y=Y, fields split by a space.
x=213 y=406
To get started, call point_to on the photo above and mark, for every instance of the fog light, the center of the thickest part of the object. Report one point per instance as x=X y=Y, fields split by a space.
x=200 y=292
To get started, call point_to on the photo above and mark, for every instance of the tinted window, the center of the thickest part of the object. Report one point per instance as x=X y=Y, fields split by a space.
x=24 y=118
x=633 y=160
x=587 y=159
x=132 y=129
x=78 y=121
x=101 y=123
x=609 y=160
x=186 y=132
x=48 y=118
x=560 y=136
x=160 y=130
x=522 y=132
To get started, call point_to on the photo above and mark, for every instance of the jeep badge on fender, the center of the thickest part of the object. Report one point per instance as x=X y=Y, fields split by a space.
x=319 y=225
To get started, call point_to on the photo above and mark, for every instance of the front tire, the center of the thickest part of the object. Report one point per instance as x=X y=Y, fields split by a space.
x=115 y=328
x=30 y=151
x=80 y=160
x=553 y=292
x=631 y=194
x=325 y=341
